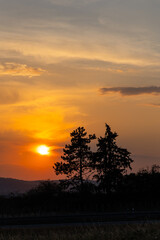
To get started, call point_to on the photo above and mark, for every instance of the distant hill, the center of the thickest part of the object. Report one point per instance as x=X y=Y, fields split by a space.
x=10 y=185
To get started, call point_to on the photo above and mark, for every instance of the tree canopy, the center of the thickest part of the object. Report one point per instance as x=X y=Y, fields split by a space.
x=76 y=159
x=111 y=161
x=107 y=165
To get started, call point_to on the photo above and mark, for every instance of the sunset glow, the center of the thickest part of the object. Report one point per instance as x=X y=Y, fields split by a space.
x=65 y=64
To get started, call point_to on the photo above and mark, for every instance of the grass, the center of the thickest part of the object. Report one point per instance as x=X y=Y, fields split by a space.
x=95 y=232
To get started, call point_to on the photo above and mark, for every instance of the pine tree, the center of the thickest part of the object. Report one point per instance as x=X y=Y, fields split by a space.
x=76 y=159
x=111 y=161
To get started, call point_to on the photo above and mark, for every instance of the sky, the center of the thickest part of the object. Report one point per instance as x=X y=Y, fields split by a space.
x=70 y=63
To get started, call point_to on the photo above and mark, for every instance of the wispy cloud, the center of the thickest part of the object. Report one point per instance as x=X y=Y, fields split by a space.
x=154 y=105
x=14 y=69
x=88 y=29
x=129 y=91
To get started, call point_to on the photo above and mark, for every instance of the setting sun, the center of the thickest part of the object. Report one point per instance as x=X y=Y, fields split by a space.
x=43 y=150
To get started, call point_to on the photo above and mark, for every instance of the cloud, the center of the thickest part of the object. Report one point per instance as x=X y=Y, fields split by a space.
x=129 y=91
x=93 y=29
x=14 y=69
x=153 y=105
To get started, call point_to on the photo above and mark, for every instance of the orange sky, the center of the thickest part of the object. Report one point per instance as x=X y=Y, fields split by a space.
x=65 y=64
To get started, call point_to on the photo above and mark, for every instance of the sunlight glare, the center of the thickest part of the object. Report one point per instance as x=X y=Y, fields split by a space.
x=43 y=150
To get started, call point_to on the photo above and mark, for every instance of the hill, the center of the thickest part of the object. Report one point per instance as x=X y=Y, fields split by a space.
x=10 y=185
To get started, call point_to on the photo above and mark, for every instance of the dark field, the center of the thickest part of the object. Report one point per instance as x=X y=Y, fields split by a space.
x=119 y=232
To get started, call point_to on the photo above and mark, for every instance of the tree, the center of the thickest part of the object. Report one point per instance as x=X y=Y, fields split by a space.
x=76 y=159
x=45 y=188
x=111 y=161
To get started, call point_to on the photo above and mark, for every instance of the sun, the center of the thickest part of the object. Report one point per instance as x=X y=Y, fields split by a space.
x=43 y=150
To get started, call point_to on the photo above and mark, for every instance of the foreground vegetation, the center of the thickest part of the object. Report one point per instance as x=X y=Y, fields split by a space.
x=119 y=232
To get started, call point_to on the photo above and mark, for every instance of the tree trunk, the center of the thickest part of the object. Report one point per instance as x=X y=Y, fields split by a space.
x=81 y=175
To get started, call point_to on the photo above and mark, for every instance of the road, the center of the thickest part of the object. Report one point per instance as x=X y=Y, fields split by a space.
x=80 y=219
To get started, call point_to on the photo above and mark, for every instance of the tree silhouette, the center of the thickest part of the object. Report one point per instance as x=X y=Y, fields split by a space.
x=111 y=161
x=76 y=159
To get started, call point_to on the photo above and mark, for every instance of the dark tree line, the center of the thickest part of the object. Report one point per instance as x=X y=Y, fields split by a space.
x=137 y=190
x=106 y=166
